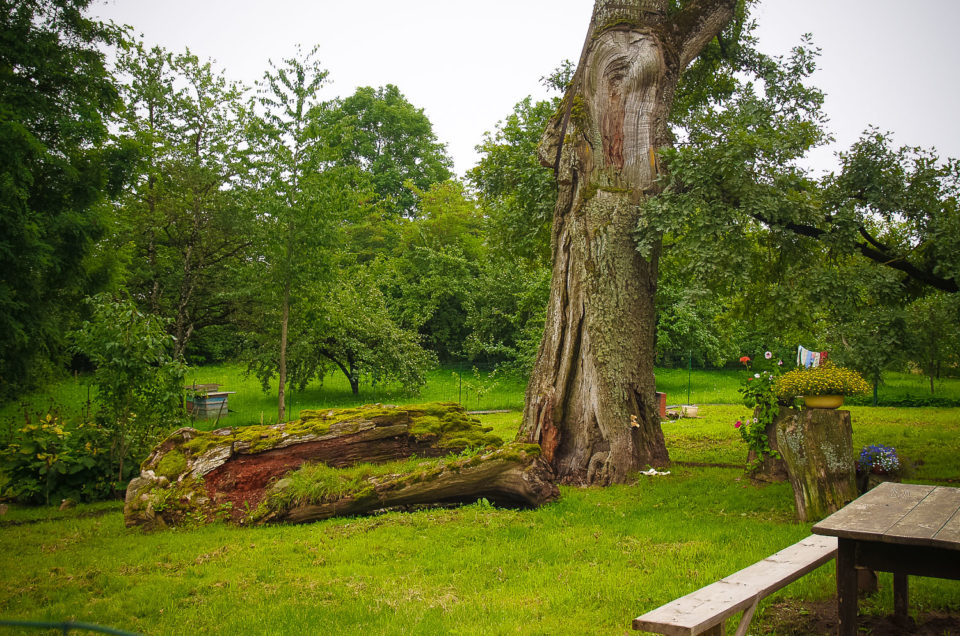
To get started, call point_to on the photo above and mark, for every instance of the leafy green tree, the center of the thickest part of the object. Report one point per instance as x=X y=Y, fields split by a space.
x=356 y=333
x=430 y=277
x=185 y=215
x=56 y=99
x=516 y=192
x=933 y=333
x=379 y=131
x=303 y=203
x=506 y=307
x=139 y=381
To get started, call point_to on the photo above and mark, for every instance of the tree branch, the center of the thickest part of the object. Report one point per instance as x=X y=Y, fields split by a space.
x=696 y=24
x=876 y=252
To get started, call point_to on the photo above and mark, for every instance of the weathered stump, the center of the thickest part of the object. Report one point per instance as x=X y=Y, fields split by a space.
x=817 y=446
x=770 y=468
x=271 y=473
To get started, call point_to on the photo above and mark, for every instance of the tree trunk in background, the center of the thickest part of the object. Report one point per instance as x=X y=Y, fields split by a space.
x=284 y=325
x=595 y=366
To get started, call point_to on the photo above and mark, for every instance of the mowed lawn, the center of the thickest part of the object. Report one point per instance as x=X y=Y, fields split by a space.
x=588 y=563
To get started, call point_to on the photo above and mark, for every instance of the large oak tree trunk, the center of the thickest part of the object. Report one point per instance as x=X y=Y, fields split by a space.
x=590 y=403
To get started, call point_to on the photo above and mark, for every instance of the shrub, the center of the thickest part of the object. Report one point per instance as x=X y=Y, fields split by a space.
x=139 y=382
x=52 y=459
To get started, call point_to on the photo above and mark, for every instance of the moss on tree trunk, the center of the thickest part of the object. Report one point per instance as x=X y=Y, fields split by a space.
x=817 y=445
x=591 y=401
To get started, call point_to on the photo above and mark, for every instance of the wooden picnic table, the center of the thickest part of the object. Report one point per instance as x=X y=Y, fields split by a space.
x=906 y=529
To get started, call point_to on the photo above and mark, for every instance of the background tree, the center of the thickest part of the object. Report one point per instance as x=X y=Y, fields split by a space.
x=933 y=334
x=516 y=192
x=430 y=275
x=186 y=215
x=595 y=366
x=299 y=210
x=356 y=333
x=379 y=131
x=138 y=379
x=56 y=99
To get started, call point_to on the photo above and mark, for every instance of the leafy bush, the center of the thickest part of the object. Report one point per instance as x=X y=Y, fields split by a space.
x=827 y=379
x=139 y=382
x=52 y=459
x=758 y=394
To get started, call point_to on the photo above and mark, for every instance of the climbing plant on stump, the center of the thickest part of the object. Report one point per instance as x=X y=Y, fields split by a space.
x=595 y=365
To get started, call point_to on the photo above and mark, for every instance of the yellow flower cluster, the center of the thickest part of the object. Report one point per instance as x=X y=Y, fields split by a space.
x=823 y=380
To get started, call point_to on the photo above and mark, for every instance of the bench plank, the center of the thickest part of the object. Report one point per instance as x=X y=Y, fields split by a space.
x=712 y=605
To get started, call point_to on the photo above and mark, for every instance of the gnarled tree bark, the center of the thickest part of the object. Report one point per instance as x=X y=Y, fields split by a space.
x=595 y=366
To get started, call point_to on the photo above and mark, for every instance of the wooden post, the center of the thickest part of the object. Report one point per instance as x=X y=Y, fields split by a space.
x=817 y=446
x=846 y=588
x=901 y=599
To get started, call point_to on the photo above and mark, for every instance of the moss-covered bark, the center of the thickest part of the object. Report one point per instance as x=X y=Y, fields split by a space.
x=817 y=446
x=202 y=475
x=512 y=476
x=591 y=401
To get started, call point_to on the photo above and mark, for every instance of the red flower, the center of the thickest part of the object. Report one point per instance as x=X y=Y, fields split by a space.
x=738 y=424
x=745 y=360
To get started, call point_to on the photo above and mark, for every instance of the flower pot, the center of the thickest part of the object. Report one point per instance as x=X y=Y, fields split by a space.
x=823 y=401
x=868 y=481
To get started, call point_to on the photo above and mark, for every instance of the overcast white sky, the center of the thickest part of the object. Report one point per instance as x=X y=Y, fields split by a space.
x=890 y=63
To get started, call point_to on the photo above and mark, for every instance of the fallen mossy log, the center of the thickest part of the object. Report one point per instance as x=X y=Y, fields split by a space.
x=512 y=476
x=200 y=476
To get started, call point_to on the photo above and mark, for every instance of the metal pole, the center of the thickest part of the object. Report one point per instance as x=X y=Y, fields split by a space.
x=689 y=374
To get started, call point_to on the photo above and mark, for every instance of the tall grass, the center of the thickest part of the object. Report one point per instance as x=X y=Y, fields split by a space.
x=588 y=563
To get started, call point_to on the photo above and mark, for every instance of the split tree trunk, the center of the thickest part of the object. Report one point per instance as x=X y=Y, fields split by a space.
x=595 y=366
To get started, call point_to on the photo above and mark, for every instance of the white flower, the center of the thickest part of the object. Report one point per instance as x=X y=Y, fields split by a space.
x=756 y=375
x=768 y=355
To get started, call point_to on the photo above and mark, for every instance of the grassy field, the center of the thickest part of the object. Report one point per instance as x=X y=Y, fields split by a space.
x=475 y=390
x=588 y=563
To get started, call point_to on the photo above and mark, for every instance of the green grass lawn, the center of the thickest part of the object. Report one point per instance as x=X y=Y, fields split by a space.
x=476 y=391
x=588 y=563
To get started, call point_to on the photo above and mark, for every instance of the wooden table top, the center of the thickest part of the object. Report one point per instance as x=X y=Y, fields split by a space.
x=908 y=514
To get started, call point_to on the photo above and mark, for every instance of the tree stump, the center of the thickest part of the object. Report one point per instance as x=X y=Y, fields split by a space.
x=771 y=468
x=817 y=446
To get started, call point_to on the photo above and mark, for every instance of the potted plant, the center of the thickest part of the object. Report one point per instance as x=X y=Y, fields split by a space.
x=821 y=387
x=876 y=464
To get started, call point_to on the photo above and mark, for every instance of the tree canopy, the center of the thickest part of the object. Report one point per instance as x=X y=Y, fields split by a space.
x=57 y=166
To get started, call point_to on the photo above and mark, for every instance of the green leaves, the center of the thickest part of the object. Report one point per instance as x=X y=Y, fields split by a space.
x=139 y=381
x=380 y=132
x=56 y=98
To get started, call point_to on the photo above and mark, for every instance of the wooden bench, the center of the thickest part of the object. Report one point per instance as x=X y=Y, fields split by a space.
x=706 y=610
